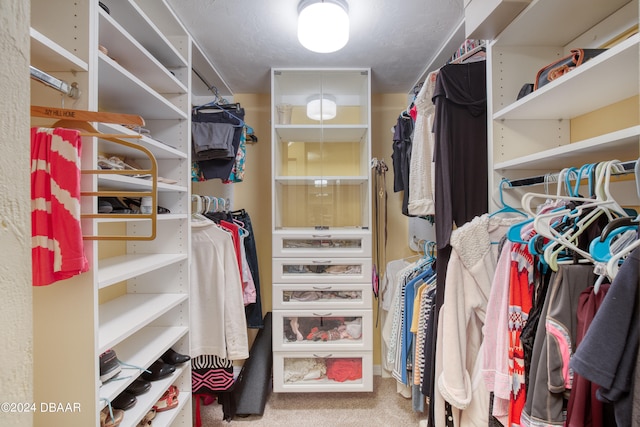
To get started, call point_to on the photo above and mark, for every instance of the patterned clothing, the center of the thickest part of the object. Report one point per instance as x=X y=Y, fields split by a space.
x=57 y=246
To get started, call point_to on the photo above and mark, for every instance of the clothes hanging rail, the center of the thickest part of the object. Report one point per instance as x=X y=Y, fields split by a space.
x=71 y=90
x=79 y=120
x=541 y=179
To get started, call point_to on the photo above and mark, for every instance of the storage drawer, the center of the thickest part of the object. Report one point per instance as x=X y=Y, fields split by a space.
x=324 y=371
x=321 y=270
x=333 y=243
x=322 y=330
x=319 y=296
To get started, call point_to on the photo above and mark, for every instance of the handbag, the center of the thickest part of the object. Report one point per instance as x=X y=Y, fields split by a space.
x=564 y=65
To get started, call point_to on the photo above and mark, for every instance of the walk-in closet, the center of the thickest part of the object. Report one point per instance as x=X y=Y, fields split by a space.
x=320 y=213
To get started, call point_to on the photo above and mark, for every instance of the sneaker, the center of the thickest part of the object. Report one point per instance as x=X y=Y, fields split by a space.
x=109 y=365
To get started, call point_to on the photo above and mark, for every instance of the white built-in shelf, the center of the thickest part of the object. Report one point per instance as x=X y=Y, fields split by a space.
x=116 y=269
x=622 y=145
x=134 y=57
x=593 y=85
x=159 y=217
x=331 y=180
x=142 y=349
x=49 y=56
x=117 y=87
x=205 y=68
x=122 y=317
x=145 y=401
x=158 y=148
x=321 y=133
x=121 y=182
x=556 y=23
x=138 y=24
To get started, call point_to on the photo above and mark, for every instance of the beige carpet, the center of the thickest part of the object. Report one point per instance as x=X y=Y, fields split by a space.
x=382 y=407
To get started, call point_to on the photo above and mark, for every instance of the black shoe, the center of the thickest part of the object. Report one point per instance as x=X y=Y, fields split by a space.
x=109 y=365
x=158 y=370
x=124 y=401
x=138 y=387
x=173 y=358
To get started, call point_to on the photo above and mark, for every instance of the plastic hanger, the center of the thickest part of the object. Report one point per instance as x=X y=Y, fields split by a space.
x=215 y=105
x=505 y=209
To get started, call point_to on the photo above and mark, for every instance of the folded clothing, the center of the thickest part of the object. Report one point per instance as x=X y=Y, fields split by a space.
x=212 y=140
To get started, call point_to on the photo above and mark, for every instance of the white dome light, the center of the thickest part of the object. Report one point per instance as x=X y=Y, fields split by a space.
x=323 y=25
x=321 y=108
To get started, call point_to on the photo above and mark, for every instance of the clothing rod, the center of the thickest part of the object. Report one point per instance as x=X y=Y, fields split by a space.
x=522 y=182
x=210 y=87
x=71 y=90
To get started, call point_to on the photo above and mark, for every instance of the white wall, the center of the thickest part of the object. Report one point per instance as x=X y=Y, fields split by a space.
x=16 y=335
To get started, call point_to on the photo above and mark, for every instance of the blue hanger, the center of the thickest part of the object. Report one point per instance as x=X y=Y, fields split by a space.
x=215 y=104
x=506 y=208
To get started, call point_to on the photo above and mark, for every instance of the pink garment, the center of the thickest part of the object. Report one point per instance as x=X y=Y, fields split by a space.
x=57 y=248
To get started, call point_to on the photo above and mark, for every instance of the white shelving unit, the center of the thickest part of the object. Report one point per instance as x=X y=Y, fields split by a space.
x=321 y=230
x=533 y=136
x=135 y=297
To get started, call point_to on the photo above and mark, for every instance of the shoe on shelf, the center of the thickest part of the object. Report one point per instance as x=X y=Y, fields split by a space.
x=111 y=418
x=174 y=358
x=146 y=420
x=124 y=401
x=169 y=400
x=109 y=365
x=158 y=370
x=138 y=386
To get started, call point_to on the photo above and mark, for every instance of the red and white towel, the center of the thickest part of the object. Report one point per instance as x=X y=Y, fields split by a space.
x=57 y=245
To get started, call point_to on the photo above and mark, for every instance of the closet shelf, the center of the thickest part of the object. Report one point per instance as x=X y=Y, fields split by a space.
x=525 y=30
x=124 y=183
x=615 y=145
x=138 y=24
x=135 y=58
x=49 y=55
x=144 y=348
x=145 y=401
x=117 y=86
x=116 y=269
x=326 y=133
x=124 y=316
x=159 y=150
x=160 y=217
x=566 y=97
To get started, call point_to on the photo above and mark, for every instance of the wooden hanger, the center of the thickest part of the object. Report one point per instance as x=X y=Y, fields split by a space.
x=79 y=120
x=79 y=116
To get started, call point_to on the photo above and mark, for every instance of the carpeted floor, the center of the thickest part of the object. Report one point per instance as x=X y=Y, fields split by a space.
x=382 y=407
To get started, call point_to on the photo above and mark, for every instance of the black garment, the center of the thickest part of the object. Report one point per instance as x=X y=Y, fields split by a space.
x=460 y=153
x=220 y=168
x=402 y=142
x=252 y=311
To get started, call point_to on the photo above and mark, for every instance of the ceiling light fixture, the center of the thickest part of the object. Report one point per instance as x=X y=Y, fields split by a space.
x=321 y=107
x=323 y=25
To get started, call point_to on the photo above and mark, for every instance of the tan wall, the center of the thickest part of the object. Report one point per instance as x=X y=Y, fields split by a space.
x=16 y=334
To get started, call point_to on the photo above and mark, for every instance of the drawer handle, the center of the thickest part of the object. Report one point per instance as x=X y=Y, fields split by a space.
x=318 y=288
x=321 y=236
x=321 y=262
x=322 y=315
x=323 y=357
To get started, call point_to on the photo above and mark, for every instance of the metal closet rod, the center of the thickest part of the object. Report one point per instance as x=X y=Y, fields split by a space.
x=522 y=182
x=71 y=90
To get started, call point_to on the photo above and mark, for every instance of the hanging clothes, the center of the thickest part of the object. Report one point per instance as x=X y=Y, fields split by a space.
x=615 y=327
x=471 y=269
x=401 y=158
x=421 y=171
x=219 y=168
x=218 y=324
x=57 y=246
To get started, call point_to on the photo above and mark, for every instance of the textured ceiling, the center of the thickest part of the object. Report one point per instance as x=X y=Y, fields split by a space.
x=397 y=39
